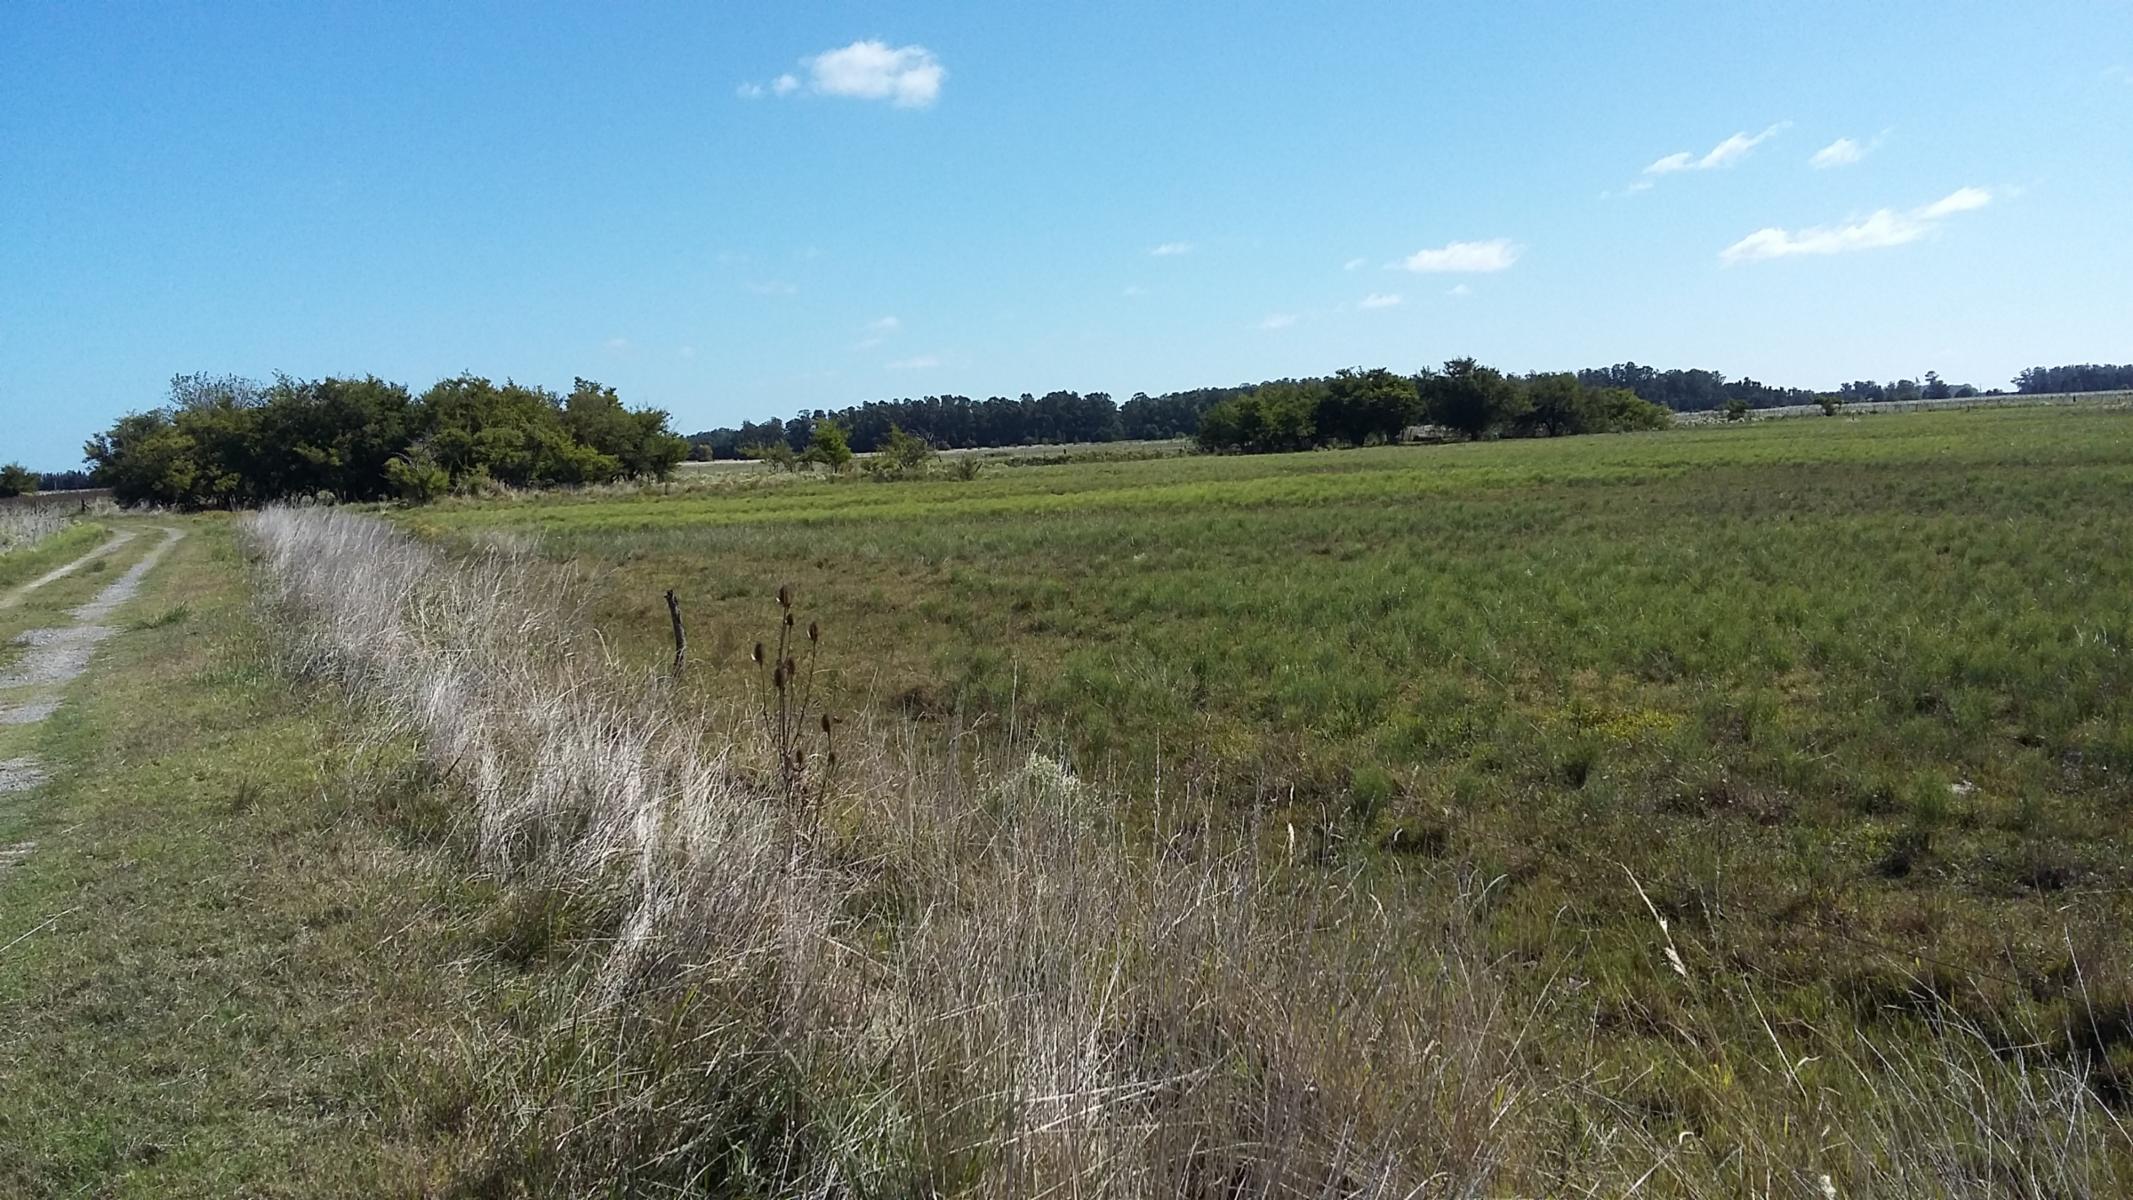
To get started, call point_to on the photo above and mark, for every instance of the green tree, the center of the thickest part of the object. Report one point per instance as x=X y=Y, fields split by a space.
x=1469 y=398
x=1557 y=404
x=17 y=480
x=145 y=459
x=1830 y=403
x=826 y=444
x=1360 y=407
x=1736 y=409
x=1274 y=418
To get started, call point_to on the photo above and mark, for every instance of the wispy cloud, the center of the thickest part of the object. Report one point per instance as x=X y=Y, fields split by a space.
x=905 y=76
x=1355 y=264
x=1171 y=249
x=1496 y=254
x=1278 y=321
x=1379 y=300
x=615 y=345
x=1841 y=153
x=1459 y=289
x=1724 y=154
x=1881 y=228
x=919 y=362
x=773 y=287
x=878 y=330
x=1133 y=289
x=1960 y=200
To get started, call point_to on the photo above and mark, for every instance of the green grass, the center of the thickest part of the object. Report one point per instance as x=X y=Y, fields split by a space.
x=221 y=974
x=26 y=563
x=1853 y=699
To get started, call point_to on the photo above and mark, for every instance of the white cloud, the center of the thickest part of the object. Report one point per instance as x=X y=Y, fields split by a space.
x=1171 y=249
x=1724 y=154
x=1881 y=228
x=1841 y=153
x=1379 y=300
x=1354 y=264
x=905 y=76
x=919 y=362
x=1459 y=289
x=1960 y=200
x=1492 y=255
x=616 y=345
x=1278 y=321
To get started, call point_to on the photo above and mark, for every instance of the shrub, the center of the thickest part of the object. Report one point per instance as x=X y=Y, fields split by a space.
x=902 y=454
x=826 y=444
x=417 y=480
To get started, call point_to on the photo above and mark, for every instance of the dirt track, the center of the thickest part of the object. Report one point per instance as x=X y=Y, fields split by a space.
x=56 y=656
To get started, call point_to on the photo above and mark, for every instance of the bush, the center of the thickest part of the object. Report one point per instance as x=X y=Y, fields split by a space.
x=417 y=481
x=826 y=444
x=902 y=454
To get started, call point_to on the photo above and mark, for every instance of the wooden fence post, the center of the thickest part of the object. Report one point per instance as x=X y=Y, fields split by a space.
x=681 y=640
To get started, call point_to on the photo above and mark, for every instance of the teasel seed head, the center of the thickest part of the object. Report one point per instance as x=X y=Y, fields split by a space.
x=759 y=654
x=825 y=722
x=814 y=632
x=777 y=677
x=784 y=595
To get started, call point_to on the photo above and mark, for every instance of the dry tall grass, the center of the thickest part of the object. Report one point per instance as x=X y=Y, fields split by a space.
x=929 y=978
x=24 y=525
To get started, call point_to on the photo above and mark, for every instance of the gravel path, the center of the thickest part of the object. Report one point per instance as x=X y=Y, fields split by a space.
x=54 y=657
x=14 y=596
x=58 y=655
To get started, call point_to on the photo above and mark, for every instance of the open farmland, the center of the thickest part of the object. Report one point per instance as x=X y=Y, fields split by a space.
x=1847 y=703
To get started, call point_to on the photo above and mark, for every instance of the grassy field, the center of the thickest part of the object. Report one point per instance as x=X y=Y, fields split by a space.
x=1736 y=811
x=1850 y=701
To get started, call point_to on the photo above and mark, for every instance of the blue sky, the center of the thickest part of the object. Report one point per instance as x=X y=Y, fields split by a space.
x=738 y=210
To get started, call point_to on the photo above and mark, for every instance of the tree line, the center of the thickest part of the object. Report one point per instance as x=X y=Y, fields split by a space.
x=949 y=422
x=1465 y=398
x=222 y=441
x=956 y=422
x=2084 y=377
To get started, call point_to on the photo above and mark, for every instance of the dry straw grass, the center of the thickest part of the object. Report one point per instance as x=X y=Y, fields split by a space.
x=24 y=525
x=924 y=976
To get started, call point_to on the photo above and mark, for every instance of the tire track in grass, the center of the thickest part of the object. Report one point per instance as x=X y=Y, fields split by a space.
x=16 y=595
x=56 y=656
